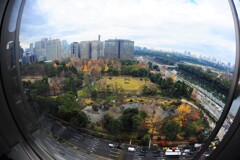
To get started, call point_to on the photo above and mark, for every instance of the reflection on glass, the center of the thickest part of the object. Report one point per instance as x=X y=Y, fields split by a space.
x=14 y=16
x=156 y=85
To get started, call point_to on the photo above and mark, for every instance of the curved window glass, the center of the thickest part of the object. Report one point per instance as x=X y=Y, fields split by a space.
x=124 y=80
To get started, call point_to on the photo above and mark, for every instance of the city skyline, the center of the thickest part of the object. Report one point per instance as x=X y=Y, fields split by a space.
x=66 y=50
x=196 y=26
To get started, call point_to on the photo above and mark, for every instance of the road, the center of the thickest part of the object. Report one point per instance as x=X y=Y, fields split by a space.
x=59 y=150
x=83 y=142
x=78 y=145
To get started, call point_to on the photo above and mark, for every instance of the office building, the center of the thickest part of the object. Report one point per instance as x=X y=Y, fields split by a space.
x=31 y=49
x=118 y=49
x=40 y=49
x=94 y=50
x=91 y=49
x=85 y=48
x=100 y=49
x=65 y=51
x=53 y=49
x=75 y=50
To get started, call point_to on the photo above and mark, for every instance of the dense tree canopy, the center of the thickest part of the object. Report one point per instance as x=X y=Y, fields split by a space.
x=171 y=128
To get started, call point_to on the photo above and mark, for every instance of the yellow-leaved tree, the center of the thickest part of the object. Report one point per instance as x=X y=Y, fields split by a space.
x=182 y=111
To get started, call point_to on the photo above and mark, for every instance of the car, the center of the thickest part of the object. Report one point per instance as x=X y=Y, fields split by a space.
x=131 y=149
x=186 y=150
x=111 y=145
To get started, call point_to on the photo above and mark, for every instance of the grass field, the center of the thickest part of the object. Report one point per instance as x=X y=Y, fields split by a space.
x=129 y=84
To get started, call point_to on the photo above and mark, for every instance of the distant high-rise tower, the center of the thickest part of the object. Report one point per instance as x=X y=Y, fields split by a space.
x=99 y=38
x=65 y=52
x=85 y=49
x=31 y=49
x=94 y=53
x=40 y=49
x=53 y=49
x=75 y=50
x=118 y=49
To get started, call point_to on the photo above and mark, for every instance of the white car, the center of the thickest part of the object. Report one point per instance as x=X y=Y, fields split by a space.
x=131 y=149
x=111 y=145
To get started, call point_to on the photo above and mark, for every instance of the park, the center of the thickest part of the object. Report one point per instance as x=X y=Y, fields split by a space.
x=122 y=99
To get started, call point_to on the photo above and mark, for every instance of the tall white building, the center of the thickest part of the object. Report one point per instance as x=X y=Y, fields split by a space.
x=53 y=49
x=40 y=49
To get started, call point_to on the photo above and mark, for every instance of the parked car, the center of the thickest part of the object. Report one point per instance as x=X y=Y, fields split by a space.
x=111 y=145
x=131 y=149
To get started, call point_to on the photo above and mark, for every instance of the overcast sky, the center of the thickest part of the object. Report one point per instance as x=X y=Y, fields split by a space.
x=201 y=26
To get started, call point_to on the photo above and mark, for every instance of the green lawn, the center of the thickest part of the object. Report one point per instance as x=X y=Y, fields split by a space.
x=130 y=84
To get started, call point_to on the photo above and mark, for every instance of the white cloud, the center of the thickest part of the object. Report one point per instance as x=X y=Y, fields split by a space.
x=205 y=26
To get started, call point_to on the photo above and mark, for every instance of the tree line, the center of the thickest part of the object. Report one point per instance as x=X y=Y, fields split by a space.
x=207 y=80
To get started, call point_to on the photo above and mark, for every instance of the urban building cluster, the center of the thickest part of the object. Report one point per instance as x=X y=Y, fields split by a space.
x=55 y=49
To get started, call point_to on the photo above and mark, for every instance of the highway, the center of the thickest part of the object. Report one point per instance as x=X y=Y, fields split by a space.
x=84 y=143
x=77 y=145
x=59 y=150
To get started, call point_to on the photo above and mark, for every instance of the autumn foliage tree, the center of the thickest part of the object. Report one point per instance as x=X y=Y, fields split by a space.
x=182 y=111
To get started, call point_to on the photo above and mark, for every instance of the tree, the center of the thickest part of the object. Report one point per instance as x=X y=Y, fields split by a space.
x=111 y=124
x=115 y=125
x=150 y=65
x=67 y=104
x=182 y=111
x=50 y=70
x=47 y=104
x=39 y=87
x=131 y=119
x=106 y=120
x=79 y=119
x=171 y=128
x=145 y=140
x=149 y=91
x=155 y=67
x=136 y=122
x=194 y=115
x=143 y=114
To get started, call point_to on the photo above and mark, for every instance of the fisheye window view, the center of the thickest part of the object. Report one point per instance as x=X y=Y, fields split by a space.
x=119 y=80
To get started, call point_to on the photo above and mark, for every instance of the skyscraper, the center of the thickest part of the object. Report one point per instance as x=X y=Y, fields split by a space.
x=85 y=49
x=53 y=50
x=75 y=50
x=31 y=49
x=118 y=49
x=40 y=49
x=65 y=52
x=91 y=49
x=94 y=52
x=126 y=49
